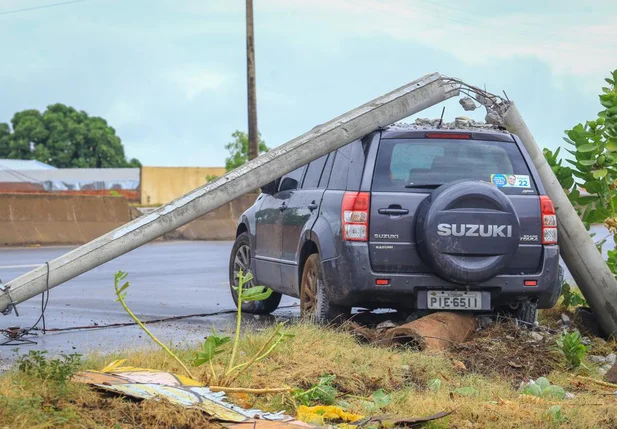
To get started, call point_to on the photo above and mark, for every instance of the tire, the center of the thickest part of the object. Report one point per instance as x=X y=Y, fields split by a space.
x=527 y=313
x=314 y=302
x=558 y=289
x=241 y=258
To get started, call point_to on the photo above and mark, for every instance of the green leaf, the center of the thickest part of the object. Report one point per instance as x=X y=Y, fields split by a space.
x=611 y=145
x=532 y=389
x=554 y=392
x=587 y=162
x=466 y=391
x=543 y=382
x=588 y=199
x=585 y=148
x=124 y=287
x=380 y=398
x=593 y=187
x=435 y=384
x=256 y=293
x=600 y=174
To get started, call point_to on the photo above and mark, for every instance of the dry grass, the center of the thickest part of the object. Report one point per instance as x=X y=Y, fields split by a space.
x=360 y=370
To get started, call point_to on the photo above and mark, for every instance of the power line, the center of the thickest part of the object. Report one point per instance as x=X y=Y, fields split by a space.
x=46 y=6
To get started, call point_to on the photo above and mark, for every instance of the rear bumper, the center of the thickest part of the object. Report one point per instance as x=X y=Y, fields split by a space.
x=350 y=282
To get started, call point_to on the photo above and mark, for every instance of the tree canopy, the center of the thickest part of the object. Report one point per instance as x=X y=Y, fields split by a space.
x=239 y=150
x=63 y=137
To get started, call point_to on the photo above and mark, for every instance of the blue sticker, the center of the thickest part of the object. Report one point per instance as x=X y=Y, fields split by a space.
x=499 y=179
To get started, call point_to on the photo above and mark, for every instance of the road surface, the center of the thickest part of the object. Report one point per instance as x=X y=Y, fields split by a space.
x=167 y=279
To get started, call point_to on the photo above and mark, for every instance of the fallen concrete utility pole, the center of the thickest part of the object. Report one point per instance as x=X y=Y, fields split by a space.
x=578 y=250
x=385 y=110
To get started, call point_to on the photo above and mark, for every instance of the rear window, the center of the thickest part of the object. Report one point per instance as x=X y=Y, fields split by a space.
x=422 y=164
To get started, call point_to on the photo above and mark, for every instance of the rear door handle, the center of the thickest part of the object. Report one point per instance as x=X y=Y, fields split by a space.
x=393 y=212
x=312 y=206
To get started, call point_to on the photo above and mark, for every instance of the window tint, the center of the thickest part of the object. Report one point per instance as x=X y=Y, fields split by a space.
x=296 y=175
x=401 y=163
x=338 y=177
x=325 y=176
x=313 y=173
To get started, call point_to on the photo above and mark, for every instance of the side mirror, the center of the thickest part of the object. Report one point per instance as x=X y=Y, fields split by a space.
x=269 y=188
x=289 y=184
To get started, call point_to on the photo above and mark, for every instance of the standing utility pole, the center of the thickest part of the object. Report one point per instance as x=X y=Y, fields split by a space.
x=253 y=151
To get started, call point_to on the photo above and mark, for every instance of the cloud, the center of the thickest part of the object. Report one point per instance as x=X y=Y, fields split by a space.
x=569 y=44
x=193 y=81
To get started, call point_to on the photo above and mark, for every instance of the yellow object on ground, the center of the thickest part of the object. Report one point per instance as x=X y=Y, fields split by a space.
x=321 y=413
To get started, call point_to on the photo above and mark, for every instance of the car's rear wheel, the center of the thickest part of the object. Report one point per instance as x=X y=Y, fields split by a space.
x=241 y=260
x=314 y=302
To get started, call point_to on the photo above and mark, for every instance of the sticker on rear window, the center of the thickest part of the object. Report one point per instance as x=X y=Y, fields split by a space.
x=510 y=180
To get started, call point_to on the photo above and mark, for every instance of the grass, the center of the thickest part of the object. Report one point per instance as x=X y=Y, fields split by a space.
x=29 y=402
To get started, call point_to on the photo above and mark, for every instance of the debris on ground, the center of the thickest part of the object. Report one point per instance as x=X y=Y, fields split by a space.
x=389 y=421
x=435 y=331
x=504 y=349
x=611 y=374
x=143 y=383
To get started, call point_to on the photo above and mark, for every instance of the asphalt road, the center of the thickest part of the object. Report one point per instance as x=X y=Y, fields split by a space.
x=167 y=279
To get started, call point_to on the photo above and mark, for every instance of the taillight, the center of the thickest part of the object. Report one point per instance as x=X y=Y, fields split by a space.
x=354 y=215
x=549 y=220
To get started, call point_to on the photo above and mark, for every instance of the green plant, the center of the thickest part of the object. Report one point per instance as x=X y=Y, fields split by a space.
x=556 y=414
x=114 y=193
x=323 y=392
x=571 y=297
x=542 y=388
x=572 y=347
x=211 y=347
x=121 y=296
x=55 y=370
x=593 y=147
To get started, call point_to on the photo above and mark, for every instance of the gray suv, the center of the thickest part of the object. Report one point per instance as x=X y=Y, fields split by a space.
x=408 y=219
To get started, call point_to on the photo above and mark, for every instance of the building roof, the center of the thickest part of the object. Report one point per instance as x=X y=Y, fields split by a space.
x=22 y=164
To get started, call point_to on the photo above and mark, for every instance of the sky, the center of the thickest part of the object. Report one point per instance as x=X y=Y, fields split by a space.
x=170 y=75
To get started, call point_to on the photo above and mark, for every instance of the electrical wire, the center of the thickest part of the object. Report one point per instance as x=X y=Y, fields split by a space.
x=121 y=324
x=45 y=6
x=18 y=337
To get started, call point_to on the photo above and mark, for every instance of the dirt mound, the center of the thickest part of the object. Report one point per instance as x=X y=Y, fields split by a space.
x=508 y=351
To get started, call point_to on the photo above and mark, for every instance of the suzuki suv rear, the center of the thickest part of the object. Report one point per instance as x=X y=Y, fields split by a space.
x=406 y=218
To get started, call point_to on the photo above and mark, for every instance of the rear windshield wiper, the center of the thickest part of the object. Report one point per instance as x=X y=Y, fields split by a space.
x=424 y=185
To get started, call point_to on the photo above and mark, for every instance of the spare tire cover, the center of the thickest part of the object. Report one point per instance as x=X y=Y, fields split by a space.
x=467 y=231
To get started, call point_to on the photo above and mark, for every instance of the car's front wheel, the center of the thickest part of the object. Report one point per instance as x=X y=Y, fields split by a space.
x=314 y=302
x=241 y=260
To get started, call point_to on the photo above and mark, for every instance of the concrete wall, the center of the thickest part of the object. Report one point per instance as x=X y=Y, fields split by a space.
x=160 y=185
x=219 y=224
x=50 y=219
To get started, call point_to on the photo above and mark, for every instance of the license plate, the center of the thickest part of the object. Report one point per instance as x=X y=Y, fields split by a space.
x=452 y=300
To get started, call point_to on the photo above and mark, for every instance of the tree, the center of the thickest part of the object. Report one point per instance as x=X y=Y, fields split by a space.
x=593 y=147
x=63 y=137
x=239 y=149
